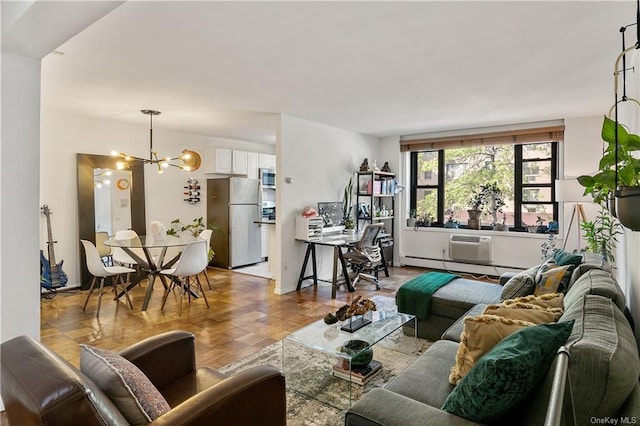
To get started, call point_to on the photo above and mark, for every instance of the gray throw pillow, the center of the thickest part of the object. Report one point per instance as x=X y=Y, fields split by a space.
x=126 y=386
x=521 y=284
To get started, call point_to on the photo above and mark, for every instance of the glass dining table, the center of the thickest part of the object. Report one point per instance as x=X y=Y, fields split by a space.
x=150 y=253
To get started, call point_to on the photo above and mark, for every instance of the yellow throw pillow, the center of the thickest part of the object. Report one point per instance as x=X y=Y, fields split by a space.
x=551 y=300
x=525 y=312
x=479 y=335
x=552 y=278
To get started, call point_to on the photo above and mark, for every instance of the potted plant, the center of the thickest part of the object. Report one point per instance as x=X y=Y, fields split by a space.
x=451 y=222
x=411 y=220
x=548 y=246
x=489 y=197
x=425 y=220
x=477 y=202
x=502 y=226
x=194 y=228
x=602 y=235
x=603 y=186
x=349 y=223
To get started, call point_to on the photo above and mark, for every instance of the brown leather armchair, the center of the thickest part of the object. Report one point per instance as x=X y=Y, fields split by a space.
x=39 y=387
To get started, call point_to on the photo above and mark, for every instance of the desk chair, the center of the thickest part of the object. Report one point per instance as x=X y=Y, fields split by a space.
x=366 y=255
x=98 y=270
x=192 y=262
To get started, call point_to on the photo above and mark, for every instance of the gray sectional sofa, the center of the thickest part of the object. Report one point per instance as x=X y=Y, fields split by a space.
x=604 y=367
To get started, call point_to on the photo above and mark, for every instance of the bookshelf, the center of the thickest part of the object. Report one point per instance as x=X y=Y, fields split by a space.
x=375 y=200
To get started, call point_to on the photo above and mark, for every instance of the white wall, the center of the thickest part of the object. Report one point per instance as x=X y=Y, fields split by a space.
x=320 y=159
x=580 y=154
x=65 y=135
x=629 y=249
x=19 y=212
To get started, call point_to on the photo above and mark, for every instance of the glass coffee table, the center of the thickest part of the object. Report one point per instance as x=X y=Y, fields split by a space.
x=309 y=354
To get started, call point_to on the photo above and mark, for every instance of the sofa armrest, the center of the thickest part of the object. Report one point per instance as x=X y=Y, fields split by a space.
x=165 y=357
x=506 y=276
x=256 y=395
x=383 y=407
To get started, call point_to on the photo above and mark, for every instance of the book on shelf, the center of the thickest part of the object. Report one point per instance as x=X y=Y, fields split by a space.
x=359 y=375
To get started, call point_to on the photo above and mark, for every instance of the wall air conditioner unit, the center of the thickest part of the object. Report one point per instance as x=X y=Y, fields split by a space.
x=471 y=248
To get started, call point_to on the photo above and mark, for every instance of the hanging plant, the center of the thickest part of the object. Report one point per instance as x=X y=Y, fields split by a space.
x=603 y=186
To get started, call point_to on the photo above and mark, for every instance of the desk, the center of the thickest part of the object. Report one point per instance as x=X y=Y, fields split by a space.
x=337 y=241
x=150 y=264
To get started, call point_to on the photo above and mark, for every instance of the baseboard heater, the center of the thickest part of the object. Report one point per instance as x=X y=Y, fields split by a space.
x=471 y=248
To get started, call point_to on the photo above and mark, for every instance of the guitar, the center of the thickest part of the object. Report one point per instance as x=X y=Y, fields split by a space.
x=51 y=274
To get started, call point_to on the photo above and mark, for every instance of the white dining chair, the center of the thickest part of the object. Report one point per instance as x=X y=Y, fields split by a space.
x=206 y=235
x=103 y=251
x=118 y=255
x=192 y=262
x=98 y=270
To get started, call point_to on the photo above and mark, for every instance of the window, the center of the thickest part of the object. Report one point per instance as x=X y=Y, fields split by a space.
x=524 y=173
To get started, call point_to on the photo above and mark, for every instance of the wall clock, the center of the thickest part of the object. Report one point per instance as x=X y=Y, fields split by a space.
x=122 y=184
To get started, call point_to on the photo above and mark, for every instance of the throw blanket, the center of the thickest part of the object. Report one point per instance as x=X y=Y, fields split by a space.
x=414 y=296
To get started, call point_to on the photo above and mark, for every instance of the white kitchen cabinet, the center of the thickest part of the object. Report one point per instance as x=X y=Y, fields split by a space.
x=253 y=165
x=225 y=161
x=264 y=229
x=240 y=162
x=267 y=161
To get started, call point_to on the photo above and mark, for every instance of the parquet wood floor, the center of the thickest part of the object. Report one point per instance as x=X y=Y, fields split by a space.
x=245 y=316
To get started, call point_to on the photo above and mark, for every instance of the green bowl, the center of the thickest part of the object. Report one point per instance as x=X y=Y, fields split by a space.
x=360 y=351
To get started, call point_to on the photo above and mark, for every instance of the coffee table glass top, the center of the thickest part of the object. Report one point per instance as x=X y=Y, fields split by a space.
x=329 y=338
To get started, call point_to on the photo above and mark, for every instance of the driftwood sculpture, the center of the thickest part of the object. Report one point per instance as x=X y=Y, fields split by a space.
x=358 y=306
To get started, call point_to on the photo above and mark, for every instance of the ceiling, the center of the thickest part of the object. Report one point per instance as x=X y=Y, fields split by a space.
x=226 y=69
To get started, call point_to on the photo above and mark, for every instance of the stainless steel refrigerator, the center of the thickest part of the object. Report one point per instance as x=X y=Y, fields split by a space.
x=233 y=205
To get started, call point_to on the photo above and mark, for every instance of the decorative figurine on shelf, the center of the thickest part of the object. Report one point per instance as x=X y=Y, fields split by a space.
x=385 y=167
x=375 y=166
x=364 y=167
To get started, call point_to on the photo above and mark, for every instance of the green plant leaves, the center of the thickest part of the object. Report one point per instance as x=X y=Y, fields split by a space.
x=604 y=183
x=609 y=132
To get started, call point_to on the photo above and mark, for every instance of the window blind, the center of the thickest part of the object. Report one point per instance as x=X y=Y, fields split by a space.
x=508 y=137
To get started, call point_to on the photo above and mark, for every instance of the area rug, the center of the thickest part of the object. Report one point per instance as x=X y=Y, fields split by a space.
x=304 y=410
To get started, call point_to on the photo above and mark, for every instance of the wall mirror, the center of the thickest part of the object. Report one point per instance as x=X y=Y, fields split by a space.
x=108 y=200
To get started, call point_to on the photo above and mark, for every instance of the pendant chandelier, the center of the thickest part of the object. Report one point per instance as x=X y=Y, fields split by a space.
x=187 y=160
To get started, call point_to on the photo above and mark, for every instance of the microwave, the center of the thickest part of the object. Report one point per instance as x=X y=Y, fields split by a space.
x=268 y=178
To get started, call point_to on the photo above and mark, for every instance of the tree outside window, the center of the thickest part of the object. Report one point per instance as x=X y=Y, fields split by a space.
x=465 y=169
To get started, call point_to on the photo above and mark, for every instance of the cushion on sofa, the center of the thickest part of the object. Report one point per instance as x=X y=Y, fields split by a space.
x=562 y=258
x=603 y=364
x=504 y=376
x=521 y=284
x=479 y=336
x=454 y=332
x=589 y=261
x=432 y=370
x=552 y=278
x=525 y=312
x=599 y=282
x=551 y=300
x=125 y=385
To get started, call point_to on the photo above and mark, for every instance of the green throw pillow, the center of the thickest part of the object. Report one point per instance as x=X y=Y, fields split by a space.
x=565 y=258
x=505 y=375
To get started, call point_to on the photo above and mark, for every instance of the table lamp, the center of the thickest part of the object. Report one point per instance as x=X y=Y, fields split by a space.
x=569 y=190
